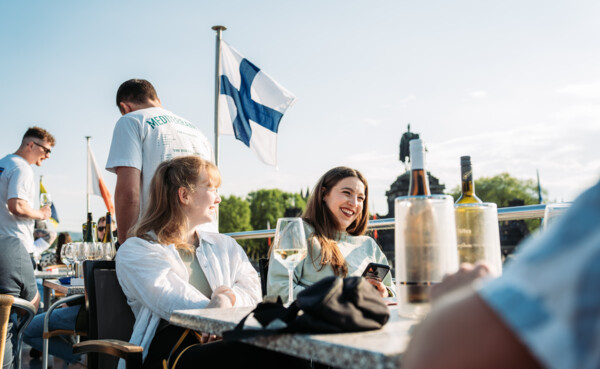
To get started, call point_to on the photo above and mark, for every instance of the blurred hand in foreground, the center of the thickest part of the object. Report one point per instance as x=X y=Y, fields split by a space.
x=465 y=276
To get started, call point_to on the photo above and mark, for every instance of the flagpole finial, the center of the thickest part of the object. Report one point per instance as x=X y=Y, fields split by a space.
x=219 y=28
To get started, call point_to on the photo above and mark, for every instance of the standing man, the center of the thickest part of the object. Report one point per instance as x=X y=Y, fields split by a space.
x=17 y=215
x=17 y=189
x=145 y=136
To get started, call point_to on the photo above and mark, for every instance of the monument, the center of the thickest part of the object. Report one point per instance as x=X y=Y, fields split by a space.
x=400 y=188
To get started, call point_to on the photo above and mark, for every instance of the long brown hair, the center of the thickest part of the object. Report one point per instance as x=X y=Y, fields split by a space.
x=163 y=213
x=63 y=238
x=326 y=227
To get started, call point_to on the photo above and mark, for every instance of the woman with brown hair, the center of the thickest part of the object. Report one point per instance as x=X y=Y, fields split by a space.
x=335 y=221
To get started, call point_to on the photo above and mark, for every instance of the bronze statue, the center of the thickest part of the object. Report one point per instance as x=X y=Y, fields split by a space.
x=404 y=144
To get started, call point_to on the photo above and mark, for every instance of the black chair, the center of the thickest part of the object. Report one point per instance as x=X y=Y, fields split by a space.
x=110 y=319
x=263 y=268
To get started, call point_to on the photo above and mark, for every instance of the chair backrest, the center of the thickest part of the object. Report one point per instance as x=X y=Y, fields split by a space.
x=27 y=311
x=6 y=302
x=263 y=268
x=109 y=314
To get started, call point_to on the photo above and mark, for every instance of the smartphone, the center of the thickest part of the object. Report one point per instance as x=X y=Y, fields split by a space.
x=376 y=271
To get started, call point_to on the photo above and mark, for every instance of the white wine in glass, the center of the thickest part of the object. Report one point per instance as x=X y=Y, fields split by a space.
x=289 y=247
x=45 y=200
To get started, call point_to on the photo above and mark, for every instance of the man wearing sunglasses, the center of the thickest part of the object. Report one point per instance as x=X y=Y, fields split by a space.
x=17 y=188
x=17 y=215
x=102 y=228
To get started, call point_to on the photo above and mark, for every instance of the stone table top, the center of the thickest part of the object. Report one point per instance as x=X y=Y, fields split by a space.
x=380 y=349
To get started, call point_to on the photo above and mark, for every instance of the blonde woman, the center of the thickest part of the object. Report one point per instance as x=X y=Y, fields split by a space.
x=167 y=264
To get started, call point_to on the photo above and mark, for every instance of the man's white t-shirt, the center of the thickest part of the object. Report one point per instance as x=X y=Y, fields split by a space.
x=145 y=138
x=16 y=181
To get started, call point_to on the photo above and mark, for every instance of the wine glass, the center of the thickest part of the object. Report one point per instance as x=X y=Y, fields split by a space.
x=66 y=256
x=79 y=257
x=554 y=211
x=289 y=247
x=45 y=200
x=93 y=250
x=109 y=250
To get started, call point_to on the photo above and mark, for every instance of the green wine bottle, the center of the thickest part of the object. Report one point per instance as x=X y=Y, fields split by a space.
x=467 y=195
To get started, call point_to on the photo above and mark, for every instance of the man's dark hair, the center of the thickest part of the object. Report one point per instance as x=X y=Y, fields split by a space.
x=136 y=91
x=40 y=133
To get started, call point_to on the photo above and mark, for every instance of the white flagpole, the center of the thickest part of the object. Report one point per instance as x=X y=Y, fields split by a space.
x=219 y=30
x=87 y=192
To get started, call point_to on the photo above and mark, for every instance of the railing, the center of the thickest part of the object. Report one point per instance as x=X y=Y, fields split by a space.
x=510 y=213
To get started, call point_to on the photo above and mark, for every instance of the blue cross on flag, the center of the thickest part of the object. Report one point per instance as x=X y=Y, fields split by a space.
x=251 y=104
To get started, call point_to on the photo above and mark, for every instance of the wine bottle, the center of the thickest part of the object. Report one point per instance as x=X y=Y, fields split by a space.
x=467 y=195
x=108 y=234
x=419 y=183
x=89 y=235
x=418 y=232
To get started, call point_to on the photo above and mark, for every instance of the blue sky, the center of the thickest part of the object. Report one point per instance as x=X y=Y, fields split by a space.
x=514 y=84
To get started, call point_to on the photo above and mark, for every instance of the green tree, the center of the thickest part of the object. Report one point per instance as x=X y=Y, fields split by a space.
x=266 y=206
x=503 y=188
x=234 y=215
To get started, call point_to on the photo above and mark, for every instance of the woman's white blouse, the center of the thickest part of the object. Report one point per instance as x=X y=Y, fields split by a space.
x=155 y=280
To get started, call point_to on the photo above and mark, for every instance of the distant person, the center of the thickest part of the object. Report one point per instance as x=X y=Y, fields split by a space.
x=64 y=317
x=543 y=312
x=17 y=190
x=145 y=136
x=63 y=239
x=335 y=221
x=44 y=238
x=54 y=257
x=101 y=228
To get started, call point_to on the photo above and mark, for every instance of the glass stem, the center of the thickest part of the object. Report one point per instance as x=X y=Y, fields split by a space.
x=291 y=289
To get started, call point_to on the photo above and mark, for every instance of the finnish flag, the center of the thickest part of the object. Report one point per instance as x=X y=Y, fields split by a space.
x=251 y=104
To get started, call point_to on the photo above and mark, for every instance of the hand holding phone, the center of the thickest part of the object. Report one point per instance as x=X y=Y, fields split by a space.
x=376 y=271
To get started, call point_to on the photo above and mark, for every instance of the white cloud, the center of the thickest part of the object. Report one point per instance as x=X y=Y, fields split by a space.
x=584 y=90
x=372 y=122
x=586 y=115
x=478 y=94
x=407 y=100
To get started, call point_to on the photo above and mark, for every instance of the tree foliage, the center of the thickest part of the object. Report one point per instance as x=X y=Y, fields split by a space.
x=503 y=188
x=266 y=206
x=234 y=215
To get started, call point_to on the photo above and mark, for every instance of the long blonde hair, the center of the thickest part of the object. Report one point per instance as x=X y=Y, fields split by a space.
x=163 y=212
x=326 y=227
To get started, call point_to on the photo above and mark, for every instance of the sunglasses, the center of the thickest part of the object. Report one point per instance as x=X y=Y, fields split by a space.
x=101 y=229
x=46 y=150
